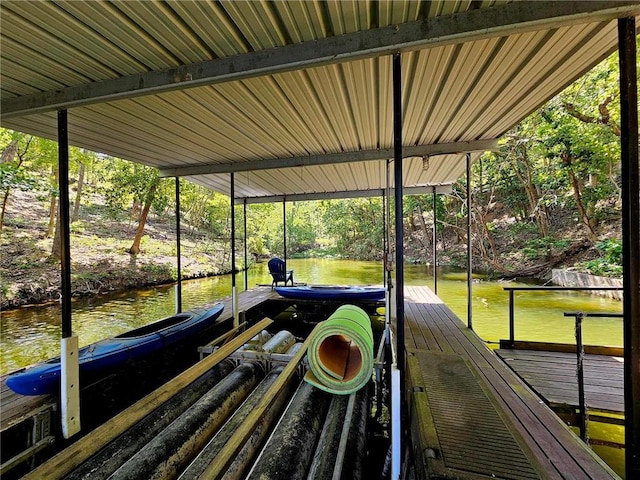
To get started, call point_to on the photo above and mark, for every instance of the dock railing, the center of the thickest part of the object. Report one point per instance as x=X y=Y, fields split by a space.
x=582 y=405
x=539 y=288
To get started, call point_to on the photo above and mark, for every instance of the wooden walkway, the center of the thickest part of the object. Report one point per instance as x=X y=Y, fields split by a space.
x=471 y=416
x=552 y=375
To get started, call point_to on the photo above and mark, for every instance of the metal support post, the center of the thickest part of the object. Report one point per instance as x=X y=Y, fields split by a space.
x=434 y=255
x=630 y=240
x=178 y=250
x=512 y=321
x=469 y=262
x=580 y=374
x=384 y=237
x=246 y=255
x=234 y=292
x=388 y=258
x=284 y=232
x=69 y=374
x=398 y=180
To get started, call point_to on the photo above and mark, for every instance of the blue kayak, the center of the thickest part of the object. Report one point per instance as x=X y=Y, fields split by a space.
x=102 y=356
x=332 y=292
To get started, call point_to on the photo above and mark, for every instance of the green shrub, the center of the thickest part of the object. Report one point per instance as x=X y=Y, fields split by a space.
x=609 y=263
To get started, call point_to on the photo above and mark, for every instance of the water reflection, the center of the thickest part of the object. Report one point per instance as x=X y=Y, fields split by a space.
x=29 y=335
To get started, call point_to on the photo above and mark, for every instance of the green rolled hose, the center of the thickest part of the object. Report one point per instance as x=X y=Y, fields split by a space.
x=340 y=352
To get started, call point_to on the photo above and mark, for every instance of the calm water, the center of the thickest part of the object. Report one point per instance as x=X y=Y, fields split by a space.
x=31 y=334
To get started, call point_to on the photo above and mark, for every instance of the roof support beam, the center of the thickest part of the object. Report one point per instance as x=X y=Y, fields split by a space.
x=376 y=192
x=330 y=158
x=502 y=20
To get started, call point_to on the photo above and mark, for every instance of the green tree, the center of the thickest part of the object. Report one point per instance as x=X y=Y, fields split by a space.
x=138 y=187
x=356 y=225
x=22 y=158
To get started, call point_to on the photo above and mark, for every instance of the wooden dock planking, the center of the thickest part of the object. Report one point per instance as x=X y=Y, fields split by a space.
x=552 y=375
x=15 y=408
x=552 y=449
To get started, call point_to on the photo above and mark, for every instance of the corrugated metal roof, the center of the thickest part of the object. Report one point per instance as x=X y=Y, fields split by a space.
x=465 y=89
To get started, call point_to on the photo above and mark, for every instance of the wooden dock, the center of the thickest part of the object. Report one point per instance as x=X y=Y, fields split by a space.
x=471 y=416
x=29 y=423
x=552 y=375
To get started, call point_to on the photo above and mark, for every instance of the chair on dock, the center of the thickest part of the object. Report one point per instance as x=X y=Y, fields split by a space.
x=278 y=272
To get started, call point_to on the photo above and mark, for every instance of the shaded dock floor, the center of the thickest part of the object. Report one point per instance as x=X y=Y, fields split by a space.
x=552 y=375
x=471 y=416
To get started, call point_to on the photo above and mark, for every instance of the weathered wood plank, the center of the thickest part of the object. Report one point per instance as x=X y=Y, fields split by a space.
x=553 y=377
x=550 y=443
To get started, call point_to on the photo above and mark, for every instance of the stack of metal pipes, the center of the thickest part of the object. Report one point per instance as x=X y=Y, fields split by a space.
x=306 y=433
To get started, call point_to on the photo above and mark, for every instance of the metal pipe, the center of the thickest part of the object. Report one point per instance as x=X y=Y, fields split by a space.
x=246 y=253
x=469 y=262
x=396 y=432
x=279 y=343
x=64 y=230
x=355 y=449
x=243 y=460
x=178 y=444
x=384 y=237
x=324 y=459
x=284 y=232
x=342 y=446
x=69 y=375
x=434 y=254
x=101 y=465
x=234 y=291
x=630 y=239
x=388 y=257
x=288 y=453
x=178 y=245
x=512 y=320
x=398 y=183
x=580 y=374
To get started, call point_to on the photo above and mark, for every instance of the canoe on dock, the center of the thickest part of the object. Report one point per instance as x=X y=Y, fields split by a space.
x=332 y=292
x=102 y=356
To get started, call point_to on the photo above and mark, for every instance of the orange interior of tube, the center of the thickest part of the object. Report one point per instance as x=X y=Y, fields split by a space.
x=340 y=357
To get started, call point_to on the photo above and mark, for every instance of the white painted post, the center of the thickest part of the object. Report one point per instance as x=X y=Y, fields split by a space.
x=70 y=386
x=236 y=311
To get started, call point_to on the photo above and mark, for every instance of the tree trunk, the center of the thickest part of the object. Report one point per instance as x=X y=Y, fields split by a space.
x=52 y=205
x=577 y=195
x=8 y=154
x=536 y=209
x=76 y=205
x=56 y=248
x=135 y=248
x=5 y=198
x=427 y=235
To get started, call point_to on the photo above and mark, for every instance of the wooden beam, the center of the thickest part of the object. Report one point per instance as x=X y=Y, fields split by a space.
x=74 y=455
x=562 y=347
x=516 y=17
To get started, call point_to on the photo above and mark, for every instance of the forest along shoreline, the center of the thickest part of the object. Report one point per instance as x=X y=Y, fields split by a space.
x=102 y=262
x=100 y=258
